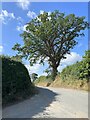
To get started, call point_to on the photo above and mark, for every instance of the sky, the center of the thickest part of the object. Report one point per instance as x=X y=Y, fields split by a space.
x=14 y=16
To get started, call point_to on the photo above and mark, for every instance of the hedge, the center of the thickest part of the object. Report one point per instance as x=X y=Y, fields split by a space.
x=16 y=82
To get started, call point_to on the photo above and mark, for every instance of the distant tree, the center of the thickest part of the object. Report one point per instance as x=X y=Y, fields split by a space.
x=34 y=76
x=51 y=36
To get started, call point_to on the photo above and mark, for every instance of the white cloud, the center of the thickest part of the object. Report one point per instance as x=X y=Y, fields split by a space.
x=1 y=49
x=24 y=4
x=5 y=16
x=33 y=69
x=21 y=28
x=20 y=20
x=31 y=14
x=61 y=67
x=71 y=59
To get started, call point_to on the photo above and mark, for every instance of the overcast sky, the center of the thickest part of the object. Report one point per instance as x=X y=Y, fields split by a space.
x=14 y=16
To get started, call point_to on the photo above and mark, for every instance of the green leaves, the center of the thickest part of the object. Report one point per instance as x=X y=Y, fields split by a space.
x=79 y=70
x=51 y=35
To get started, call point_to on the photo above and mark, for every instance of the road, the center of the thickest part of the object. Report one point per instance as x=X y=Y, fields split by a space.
x=51 y=103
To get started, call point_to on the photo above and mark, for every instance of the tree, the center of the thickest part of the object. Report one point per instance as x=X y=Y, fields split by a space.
x=34 y=76
x=51 y=36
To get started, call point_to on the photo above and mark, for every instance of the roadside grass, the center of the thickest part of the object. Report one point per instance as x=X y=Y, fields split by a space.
x=69 y=82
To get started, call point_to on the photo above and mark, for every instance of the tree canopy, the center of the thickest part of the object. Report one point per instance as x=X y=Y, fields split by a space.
x=50 y=36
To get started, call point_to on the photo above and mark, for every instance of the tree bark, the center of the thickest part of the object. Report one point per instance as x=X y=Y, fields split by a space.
x=54 y=72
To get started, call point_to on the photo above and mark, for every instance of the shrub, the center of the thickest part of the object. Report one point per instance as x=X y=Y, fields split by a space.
x=79 y=70
x=16 y=82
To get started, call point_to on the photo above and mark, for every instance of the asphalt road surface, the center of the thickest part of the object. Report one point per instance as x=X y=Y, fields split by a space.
x=51 y=103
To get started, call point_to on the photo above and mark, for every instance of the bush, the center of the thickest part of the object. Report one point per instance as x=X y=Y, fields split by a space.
x=16 y=82
x=75 y=71
x=79 y=70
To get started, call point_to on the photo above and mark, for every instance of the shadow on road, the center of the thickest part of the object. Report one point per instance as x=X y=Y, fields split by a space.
x=30 y=107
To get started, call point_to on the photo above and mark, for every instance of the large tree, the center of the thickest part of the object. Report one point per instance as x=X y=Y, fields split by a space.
x=50 y=36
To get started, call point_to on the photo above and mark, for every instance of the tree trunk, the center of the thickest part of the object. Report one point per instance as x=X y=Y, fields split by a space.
x=54 y=72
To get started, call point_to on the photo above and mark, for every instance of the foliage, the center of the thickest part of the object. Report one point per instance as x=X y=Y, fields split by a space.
x=85 y=67
x=44 y=79
x=72 y=70
x=41 y=79
x=79 y=70
x=50 y=36
x=16 y=82
x=17 y=58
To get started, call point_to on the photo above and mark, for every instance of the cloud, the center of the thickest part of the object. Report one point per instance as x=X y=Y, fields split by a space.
x=20 y=20
x=5 y=16
x=31 y=14
x=61 y=67
x=71 y=59
x=1 y=49
x=33 y=69
x=24 y=4
x=21 y=28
